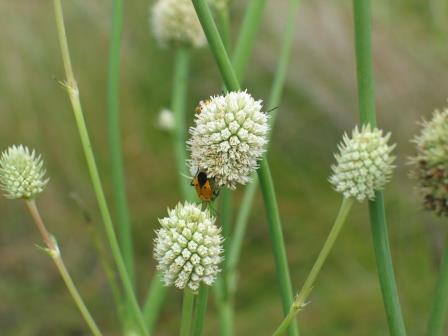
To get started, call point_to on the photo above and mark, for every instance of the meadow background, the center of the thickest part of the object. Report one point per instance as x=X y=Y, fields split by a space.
x=319 y=104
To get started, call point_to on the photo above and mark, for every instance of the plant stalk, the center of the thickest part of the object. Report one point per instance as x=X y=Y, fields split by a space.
x=113 y=103
x=440 y=303
x=73 y=92
x=267 y=186
x=55 y=254
x=201 y=309
x=377 y=213
x=187 y=312
x=300 y=300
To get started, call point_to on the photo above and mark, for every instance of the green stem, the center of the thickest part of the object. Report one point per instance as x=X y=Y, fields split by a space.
x=223 y=19
x=118 y=180
x=273 y=102
x=73 y=92
x=302 y=296
x=187 y=312
x=376 y=208
x=178 y=106
x=201 y=309
x=53 y=251
x=264 y=174
x=440 y=303
x=246 y=38
x=154 y=301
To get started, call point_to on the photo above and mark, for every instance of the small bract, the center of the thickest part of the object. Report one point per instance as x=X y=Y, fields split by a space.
x=21 y=173
x=188 y=247
x=229 y=138
x=363 y=164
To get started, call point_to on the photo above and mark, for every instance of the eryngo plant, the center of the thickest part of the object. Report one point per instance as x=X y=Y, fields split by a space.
x=22 y=175
x=229 y=138
x=430 y=163
x=188 y=247
x=175 y=23
x=363 y=164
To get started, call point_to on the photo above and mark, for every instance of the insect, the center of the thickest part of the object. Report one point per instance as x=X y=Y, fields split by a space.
x=201 y=105
x=205 y=186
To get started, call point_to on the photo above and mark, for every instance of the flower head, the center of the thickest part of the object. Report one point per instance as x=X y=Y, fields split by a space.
x=229 y=137
x=21 y=173
x=188 y=247
x=175 y=22
x=363 y=164
x=166 y=120
x=430 y=164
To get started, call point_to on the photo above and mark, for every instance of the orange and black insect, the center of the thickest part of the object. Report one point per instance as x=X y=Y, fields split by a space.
x=205 y=186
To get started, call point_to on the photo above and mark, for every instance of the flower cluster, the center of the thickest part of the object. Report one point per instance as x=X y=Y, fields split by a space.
x=175 y=23
x=188 y=247
x=21 y=173
x=363 y=164
x=229 y=138
x=430 y=164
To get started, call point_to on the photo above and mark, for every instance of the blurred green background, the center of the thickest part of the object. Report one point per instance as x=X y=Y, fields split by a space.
x=320 y=103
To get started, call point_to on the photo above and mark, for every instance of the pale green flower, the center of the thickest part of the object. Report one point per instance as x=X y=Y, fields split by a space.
x=21 y=173
x=363 y=164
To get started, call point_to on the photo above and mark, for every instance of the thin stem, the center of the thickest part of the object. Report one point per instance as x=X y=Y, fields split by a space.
x=154 y=301
x=223 y=19
x=302 y=296
x=73 y=93
x=54 y=252
x=187 y=312
x=201 y=309
x=440 y=303
x=118 y=180
x=376 y=208
x=246 y=38
x=267 y=186
x=178 y=106
x=273 y=102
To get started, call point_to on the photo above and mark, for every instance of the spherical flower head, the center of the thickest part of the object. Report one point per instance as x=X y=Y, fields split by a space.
x=229 y=138
x=175 y=23
x=430 y=164
x=363 y=164
x=188 y=247
x=21 y=173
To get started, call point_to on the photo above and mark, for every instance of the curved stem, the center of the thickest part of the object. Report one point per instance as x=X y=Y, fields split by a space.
x=264 y=174
x=376 y=208
x=73 y=92
x=187 y=312
x=440 y=303
x=302 y=296
x=201 y=309
x=55 y=254
x=118 y=180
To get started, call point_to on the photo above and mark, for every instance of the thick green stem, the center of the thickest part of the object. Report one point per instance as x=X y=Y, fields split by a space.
x=267 y=186
x=302 y=296
x=55 y=254
x=118 y=180
x=440 y=303
x=273 y=102
x=73 y=93
x=201 y=309
x=187 y=312
x=376 y=207
x=246 y=38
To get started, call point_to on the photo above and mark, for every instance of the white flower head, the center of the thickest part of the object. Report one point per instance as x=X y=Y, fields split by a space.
x=229 y=138
x=363 y=164
x=21 y=173
x=188 y=247
x=165 y=120
x=174 y=22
